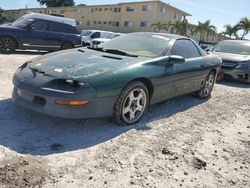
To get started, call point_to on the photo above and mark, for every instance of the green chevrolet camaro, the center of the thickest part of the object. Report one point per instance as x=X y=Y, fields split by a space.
x=119 y=78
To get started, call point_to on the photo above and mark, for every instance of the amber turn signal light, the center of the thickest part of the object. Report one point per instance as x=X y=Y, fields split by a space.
x=71 y=103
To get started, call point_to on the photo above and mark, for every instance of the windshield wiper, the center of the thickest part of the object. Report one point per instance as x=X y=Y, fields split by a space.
x=119 y=52
x=112 y=51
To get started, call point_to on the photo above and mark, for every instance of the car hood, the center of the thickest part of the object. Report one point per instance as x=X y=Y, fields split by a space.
x=80 y=64
x=233 y=57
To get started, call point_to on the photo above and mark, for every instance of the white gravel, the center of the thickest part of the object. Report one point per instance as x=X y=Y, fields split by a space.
x=184 y=142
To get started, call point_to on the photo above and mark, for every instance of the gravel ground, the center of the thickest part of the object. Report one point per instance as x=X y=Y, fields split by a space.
x=183 y=142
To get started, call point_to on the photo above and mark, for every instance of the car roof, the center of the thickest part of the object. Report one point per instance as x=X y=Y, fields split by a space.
x=172 y=36
x=51 y=18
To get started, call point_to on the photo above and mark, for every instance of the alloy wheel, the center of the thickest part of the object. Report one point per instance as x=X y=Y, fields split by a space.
x=134 y=105
x=209 y=85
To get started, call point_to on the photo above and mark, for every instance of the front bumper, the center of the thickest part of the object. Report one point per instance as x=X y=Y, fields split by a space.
x=242 y=75
x=98 y=107
x=37 y=94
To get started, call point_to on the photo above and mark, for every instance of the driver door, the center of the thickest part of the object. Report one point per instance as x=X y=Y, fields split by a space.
x=183 y=78
x=35 y=35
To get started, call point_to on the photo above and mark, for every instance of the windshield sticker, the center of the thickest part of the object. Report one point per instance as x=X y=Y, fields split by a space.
x=161 y=37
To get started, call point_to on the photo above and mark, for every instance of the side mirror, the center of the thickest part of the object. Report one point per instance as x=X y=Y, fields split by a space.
x=175 y=59
x=208 y=50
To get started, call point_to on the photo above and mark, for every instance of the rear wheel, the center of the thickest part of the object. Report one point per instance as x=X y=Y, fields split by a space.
x=206 y=90
x=131 y=104
x=67 y=45
x=7 y=45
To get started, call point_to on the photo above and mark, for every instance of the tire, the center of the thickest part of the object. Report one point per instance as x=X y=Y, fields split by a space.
x=7 y=45
x=131 y=104
x=206 y=90
x=67 y=45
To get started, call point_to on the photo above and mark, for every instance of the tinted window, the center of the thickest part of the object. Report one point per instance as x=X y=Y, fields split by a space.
x=96 y=35
x=63 y=28
x=56 y=27
x=39 y=25
x=185 y=48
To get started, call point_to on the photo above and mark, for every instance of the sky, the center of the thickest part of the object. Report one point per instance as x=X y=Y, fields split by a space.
x=220 y=12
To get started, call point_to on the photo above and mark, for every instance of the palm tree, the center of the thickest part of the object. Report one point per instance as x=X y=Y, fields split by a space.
x=160 y=26
x=231 y=30
x=245 y=26
x=180 y=27
x=2 y=17
x=205 y=29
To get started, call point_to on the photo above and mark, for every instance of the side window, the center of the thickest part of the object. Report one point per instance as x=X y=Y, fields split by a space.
x=56 y=27
x=39 y=25
x=96 y=35
x=185 y=48
x=105 y=35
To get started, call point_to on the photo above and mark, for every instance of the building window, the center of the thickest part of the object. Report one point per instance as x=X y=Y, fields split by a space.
x=91 y=22
x=99 y=22
x=78 y=22
x=144 y=24
x=106 y=9
x=110 y=8
x=129 y=9
x=146 y=7
x=177 y=16
x=100 y=9
x=104 y=22
x=128 y=24
x=91 y=10
x=115 y=24
x=117 y=9
x=162 y=10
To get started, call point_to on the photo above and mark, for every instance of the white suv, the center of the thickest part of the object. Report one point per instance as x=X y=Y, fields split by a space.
x=89 y=35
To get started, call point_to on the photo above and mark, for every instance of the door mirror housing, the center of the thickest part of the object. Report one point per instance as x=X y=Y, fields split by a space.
x=208 y=50
x=175 y=59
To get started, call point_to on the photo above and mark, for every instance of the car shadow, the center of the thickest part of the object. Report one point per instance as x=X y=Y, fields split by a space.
x=28 y=132
x=234 y=83
x=30 y=52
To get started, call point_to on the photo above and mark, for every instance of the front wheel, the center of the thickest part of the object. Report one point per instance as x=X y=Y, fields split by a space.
x=206 y=90
x=131 y=104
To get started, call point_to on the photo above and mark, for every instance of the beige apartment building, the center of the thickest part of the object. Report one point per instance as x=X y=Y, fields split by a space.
x=121 y=17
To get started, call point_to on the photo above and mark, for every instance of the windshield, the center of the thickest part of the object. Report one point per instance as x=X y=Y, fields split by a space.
x=85 y=33
x=22 y=22
x=139 y=45
x=233 y=47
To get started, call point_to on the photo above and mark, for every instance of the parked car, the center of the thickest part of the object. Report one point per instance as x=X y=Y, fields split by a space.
x=39 y=32
x=236 y=59
x=121 y=78
x=98 y=41
x=89 y=35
